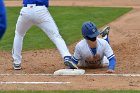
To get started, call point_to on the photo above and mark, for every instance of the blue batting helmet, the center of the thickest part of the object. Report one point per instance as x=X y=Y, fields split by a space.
x=89 y=30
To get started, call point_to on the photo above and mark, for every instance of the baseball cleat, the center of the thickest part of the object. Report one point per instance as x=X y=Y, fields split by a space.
x=68 y=62
x=17 y=66
x=105 y=31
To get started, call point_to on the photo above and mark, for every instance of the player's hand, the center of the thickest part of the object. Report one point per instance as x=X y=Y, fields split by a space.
x=110 y=71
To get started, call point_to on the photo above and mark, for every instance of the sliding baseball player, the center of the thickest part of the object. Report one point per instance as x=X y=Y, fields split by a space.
x=93 y=52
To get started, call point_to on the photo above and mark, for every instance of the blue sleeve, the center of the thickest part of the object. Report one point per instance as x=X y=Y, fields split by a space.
x=112 y=63
x=3 y=23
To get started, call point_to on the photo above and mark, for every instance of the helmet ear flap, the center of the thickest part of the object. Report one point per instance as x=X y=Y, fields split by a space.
x=85 y=37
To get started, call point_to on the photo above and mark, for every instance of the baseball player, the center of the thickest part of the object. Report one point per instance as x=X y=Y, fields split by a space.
x=35 y=12
x=3 y=23
x=92 y=52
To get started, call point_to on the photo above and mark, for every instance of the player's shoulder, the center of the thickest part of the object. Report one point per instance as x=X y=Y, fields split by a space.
x=81 y=43
x=101 y=41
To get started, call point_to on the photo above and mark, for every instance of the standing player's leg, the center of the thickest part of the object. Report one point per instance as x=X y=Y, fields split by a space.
x=50 y=28
x=23 y=24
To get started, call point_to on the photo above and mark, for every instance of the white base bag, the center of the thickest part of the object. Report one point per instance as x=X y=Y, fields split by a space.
x=69 y=72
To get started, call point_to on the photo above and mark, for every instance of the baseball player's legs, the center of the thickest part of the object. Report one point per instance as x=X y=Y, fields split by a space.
x=51 y=30
x=106 y=38
x=22 y=26
x=45 y=21
x=105 y=33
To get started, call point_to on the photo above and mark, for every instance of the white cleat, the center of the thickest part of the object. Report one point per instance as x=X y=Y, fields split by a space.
x=17 y=66
x=68 y=62
x=105 y=31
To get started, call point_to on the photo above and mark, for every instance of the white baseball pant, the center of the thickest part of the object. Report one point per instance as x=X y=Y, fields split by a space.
x=39 y=16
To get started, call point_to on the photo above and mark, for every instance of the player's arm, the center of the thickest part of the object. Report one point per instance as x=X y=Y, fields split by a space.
x=3 y=23
x=111 y=57
x=112 y=64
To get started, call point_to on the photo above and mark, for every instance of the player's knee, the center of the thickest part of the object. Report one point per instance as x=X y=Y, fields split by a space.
x=56 y=37
x=19 y=34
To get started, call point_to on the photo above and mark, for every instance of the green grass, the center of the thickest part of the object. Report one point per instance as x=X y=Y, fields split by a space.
x=75 y=91
x=69 y=21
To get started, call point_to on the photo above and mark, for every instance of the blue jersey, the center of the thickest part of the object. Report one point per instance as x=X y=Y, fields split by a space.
x=3 y=24
x=38 y=2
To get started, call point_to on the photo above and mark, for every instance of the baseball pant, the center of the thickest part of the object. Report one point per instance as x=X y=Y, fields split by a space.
x=39 y=16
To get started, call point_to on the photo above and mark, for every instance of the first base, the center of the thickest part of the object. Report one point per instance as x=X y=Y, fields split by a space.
x=69 y=72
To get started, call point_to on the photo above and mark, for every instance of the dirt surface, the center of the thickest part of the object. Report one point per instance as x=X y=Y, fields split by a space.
x=124 y=39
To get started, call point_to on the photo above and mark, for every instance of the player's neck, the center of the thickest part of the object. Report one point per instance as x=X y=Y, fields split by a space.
x=91 y=44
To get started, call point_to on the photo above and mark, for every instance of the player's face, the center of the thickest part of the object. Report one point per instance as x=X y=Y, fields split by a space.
x=92 y=43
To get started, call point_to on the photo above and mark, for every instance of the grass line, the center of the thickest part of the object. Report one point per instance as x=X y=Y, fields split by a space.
x=68 y=20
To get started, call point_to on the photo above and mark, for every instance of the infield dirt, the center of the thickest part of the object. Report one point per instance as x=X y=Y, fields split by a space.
x=124 y=39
